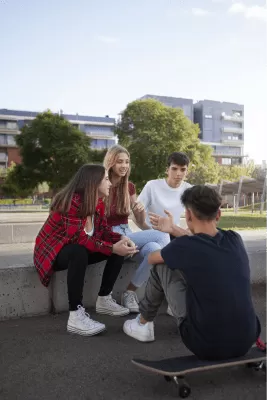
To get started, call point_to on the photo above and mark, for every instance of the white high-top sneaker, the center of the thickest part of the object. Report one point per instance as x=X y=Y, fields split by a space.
x=80 y=322
x=107 y=305
x=129 y=300
x=141 y=332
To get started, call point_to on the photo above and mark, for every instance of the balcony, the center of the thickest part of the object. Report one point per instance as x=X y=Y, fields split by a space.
x=233 y=118
x=8 y=130
x=100 y=136
x=232 y=142
x=233 y=130
x=224 y=153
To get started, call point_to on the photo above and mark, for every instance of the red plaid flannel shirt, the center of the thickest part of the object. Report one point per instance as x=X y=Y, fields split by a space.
x=59 y=230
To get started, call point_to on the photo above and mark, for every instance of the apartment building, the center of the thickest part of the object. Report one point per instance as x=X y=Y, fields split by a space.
x=99 y=129
x=221 y=125
x=176 y=102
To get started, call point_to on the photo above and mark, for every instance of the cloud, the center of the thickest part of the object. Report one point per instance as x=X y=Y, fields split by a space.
x=200 y=12
x=107 y=39
x=249 y=12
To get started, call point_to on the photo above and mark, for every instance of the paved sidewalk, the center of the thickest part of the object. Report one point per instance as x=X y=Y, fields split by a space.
x=40 y=361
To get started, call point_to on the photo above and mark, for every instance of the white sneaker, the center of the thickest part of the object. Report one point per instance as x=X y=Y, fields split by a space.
x=141 y=332
x=129 y=300
x=80 y=322
x=107 y=305
x=169 y=311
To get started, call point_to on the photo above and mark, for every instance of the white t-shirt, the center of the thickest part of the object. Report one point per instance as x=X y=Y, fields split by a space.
x=158 y=196
x=91 y=232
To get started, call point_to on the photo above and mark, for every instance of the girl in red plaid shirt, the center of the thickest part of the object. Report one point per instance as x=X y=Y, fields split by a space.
x=76 y=234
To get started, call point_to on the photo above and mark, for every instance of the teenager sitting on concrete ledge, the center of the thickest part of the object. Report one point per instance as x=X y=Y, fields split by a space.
x=119 y=204
x=76 y=234
x=205 y=277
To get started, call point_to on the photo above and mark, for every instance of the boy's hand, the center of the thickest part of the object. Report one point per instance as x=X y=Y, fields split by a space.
x=163 y=224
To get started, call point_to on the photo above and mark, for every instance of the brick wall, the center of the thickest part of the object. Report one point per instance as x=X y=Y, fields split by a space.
x=13 y=155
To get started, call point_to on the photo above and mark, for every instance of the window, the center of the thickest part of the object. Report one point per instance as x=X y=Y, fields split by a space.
x=229 y=137
x=226 y=161
x=235 y=137
x=3 y=156
x=3 y=139
x=236 y=161
x=208 y=116
x=12 y=125
x=237 y=113
x=11 y=140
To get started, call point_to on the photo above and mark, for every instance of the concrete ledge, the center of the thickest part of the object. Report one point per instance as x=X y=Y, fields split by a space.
x=257 y=261
x=23 y=295
x=19 y=233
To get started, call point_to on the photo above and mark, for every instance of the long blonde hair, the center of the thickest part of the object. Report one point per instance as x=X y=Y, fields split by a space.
x=123 y=197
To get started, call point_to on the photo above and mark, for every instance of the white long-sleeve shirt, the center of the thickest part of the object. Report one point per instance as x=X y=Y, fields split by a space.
x=158 y=196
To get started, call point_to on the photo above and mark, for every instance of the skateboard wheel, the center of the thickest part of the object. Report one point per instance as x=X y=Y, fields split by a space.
x=184 y=391
x=167 y=378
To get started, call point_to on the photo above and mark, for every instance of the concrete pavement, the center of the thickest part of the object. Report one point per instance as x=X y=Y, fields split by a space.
x=40 y=361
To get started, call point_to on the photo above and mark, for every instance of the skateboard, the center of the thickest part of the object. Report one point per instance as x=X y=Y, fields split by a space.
x=175 y=369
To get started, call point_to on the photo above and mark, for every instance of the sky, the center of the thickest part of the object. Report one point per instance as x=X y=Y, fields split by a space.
x=94 y=57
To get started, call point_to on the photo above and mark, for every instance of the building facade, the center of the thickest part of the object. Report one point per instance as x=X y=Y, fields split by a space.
x=175 y=102
x=222 y=127
x=99 y=129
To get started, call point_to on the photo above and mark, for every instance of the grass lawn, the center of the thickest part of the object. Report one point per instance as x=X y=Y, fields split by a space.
x=242 y=220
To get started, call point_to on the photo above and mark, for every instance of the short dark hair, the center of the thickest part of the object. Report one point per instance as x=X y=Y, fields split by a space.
x=178 y=158
x=203 y=201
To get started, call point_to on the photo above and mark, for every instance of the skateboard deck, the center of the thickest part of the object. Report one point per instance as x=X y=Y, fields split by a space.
x=176 y=368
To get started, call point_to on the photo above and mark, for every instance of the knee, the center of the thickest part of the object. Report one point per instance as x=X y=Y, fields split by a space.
x=149 y=248
x=161 y=238
x=79 y=253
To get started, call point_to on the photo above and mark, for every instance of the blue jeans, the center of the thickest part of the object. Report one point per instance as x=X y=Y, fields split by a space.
x=146 y=241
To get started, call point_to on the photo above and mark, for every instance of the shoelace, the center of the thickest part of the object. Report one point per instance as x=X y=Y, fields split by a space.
x=85 y=316
x=112 y=302
x=131 y=297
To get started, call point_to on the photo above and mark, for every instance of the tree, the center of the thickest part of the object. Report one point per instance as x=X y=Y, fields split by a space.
x=52 y=150
x=17 y=183
x=233 y=173
x=97 y=156
x=204 y=169
x=151 y=131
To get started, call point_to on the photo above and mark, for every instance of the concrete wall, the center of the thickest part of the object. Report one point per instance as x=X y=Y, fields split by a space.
x=22 y=294
x=19 y=232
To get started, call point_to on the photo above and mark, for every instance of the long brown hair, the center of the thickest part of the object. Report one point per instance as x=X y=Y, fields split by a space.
x=123 y=197
x=85 y=183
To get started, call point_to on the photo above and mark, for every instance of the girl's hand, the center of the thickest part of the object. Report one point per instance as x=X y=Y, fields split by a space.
x=138 y=206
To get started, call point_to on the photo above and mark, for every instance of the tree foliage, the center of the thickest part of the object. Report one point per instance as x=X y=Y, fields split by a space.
x=151 y=131
x=52 y=150
x=15 y=183
x=233 y=173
